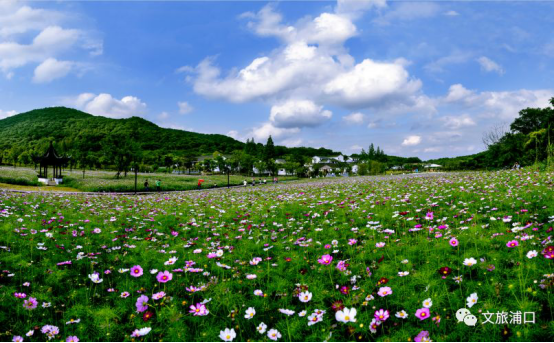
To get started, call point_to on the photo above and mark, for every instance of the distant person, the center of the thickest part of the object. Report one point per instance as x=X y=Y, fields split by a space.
x=158 y=185
x=245 y=183
x=516 y=166
x=199 y=184
x=265 y=182
x=253 y=182
x=146 y=184
x=215 y=185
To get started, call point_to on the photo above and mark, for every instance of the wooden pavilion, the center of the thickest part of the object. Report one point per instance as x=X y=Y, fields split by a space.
x=51 y=159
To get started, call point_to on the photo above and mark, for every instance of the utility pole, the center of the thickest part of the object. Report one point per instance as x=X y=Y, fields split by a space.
x=228 y=171
x=136 y=171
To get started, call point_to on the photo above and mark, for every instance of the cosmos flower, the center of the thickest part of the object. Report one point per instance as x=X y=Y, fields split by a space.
x=305 y=296
x=422 y=313
x=261 y=328
x=457 y=279
x=286 y=311
x=374 y=325
x=401 y=274
x=95 y=277
x=512 y=244
x=164 y=277
x=17 y=339
x=427 y=303
x=250 y=312
x=337 y=305
x=472 y=299
x=423 y=336
x=444 y=272
x=384 y=291
x=199 y=310
x=259 y=293
x=141 y=332
x=325 y=259
x=381 y=315
x=531 y=254
x=470 y=262
x=273 y=334
x=346 y=315
x=72 y=339
x=158 y=296
x=227 y=335
x=453 y=242
x=30 y=304
x=142 y=303
x=380 y=244
x=125 y=294
x=314 y=319
x=402 y=314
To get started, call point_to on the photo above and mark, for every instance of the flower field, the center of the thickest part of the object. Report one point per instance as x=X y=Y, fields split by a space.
x=353 y=259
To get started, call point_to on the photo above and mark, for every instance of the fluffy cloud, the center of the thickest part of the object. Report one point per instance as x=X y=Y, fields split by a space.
x=354 y=118
x=456 y=122
x=35 y=36
x=108 y=106
x=6 y=114
x=311 y=64
x=52 y=69
x=411 y=141
x=261 y=133
x=184 y=107
x=409 y=11
x=489 y=65
x=504 y=105
x=297 y=114
x=372 y=83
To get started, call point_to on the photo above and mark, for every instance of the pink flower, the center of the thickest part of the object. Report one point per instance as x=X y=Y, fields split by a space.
x=142 y=303
x=423 y=336
x=199 y=310
x=164 y=277
x=429 y=216
x=325 y=259
x=381 y=315
x=136 y=271
x=30 y=304
x=342 y=265
x=453 y=242
x=512 y=244
x=352 y=241
x=384 y=291
x=422 y=313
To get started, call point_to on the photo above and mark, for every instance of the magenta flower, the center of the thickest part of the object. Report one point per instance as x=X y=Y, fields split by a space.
x=381 y=315
x=325 y=259
x=30 y=304
x=453 y=242
x=72 y=339
x=423 y=336
x=512 y=244
x=142 y=303
x=384 y=291
x=164 y=277
x=20 y=295
x=429 y=216
x=136 y=271
x=199 y=310
x=422 y=313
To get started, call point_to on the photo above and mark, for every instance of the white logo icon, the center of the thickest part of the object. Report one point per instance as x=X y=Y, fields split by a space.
x=463 y=315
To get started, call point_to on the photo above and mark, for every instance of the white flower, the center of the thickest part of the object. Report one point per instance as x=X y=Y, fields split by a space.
x=144 y=331
x=30 y=333
x=531 y=254
x=95 y=278
x=470 y=262
x=219 y=253
x=346 y=315
x=273 y=334
x=287 y=312
x=402 y=314
x=250 y=312
x=261 y=328
x=314 y=318
x=171 y=261
x=259 y=293
x=302 y=314
x=153 y=271
x=380 y=244
x=427 y=303
x=227 y=335
x=472 y=299
x=404 y=261
x=403 y=273
x=305 y=296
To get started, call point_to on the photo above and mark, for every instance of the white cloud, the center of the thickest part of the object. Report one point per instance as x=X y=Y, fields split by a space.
x=503 y=105
x=404 y=11
x=371 y=83
x=354 y=118
x=233 y=134
x=262 y=132
x=489 y=65
x=163 y=116
x=184 y=107
x=297 y=114
x=456 y=57
x=6 y=114
x=51 y=40
x=411 y=141
x=456 y=122
x=108 y=106
x=451 y=13
x=52 y=69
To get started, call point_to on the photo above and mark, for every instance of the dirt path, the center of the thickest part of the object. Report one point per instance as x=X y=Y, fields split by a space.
x=37 y=188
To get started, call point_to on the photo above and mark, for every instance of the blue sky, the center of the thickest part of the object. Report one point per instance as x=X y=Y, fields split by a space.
x=416 y=78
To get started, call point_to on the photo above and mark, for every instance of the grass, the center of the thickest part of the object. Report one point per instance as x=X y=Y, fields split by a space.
x=52 y=244
x=105 y=181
